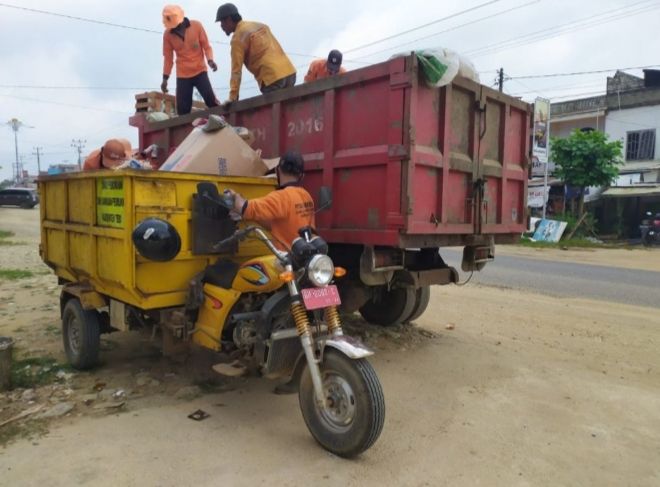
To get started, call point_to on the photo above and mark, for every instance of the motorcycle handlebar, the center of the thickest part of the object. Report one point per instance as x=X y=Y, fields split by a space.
x=241 y=234
x=238 y=236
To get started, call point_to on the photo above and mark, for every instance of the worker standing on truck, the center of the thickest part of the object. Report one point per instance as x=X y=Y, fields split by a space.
x=186 y=38
x=254 y=45
x=286 y=210
x=324 y=68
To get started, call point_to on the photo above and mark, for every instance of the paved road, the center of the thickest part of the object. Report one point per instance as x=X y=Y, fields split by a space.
x=612 y=284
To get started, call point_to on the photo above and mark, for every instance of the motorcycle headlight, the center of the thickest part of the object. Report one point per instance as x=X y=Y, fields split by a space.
x=320 y=270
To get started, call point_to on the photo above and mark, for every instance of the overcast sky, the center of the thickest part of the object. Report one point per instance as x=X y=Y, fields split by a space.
x=525 y=37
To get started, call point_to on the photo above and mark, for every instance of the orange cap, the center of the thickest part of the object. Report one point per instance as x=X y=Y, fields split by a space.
x=116 y=151
x=172 y=16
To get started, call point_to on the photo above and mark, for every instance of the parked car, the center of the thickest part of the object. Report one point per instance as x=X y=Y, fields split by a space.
x=23 y=197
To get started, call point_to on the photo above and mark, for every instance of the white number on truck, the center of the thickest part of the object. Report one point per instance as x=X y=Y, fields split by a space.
x=305 y=127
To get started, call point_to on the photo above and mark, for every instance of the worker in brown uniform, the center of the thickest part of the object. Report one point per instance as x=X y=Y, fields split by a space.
x=254 y=45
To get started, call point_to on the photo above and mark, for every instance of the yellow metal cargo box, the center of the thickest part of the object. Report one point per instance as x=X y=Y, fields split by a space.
x=87 y=220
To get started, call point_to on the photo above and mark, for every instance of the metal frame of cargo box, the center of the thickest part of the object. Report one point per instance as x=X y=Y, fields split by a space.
x=449 y=164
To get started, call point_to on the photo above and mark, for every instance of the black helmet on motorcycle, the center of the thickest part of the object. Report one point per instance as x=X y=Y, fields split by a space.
x=156 y=240
x=292 y=163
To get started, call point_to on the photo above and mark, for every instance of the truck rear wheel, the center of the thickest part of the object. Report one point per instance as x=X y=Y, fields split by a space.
x=422 y=298
x=389 y=307
x=81 y=332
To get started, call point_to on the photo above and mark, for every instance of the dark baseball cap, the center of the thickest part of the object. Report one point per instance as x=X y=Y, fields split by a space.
x=334 y=61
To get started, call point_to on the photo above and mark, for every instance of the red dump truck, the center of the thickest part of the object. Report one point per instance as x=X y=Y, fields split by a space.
x=410 y=168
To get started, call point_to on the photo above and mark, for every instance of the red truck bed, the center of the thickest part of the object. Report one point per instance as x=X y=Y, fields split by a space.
x=409 y=166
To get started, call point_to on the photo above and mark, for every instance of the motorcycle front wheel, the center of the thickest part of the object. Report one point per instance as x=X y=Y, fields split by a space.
x=355 y=407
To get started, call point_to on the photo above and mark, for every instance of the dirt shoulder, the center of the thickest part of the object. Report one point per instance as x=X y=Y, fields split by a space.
x=647 y=259
x=490 y=387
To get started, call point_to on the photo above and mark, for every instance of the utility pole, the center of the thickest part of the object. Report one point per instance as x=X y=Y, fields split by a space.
x=500 y=79
x=19 y=168
x=16 y=125
x=37 y=152
x=79 y=145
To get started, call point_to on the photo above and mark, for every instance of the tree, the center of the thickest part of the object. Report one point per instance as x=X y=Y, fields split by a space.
x=586 y=158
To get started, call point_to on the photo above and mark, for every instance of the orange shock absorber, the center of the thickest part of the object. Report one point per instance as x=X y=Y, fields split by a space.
x=300 y=317
x=331 y=317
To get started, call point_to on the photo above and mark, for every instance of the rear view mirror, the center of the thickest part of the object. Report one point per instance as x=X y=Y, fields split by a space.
x=325 y=198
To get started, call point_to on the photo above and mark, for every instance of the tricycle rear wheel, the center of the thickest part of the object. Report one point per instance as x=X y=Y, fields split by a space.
x=81 y=332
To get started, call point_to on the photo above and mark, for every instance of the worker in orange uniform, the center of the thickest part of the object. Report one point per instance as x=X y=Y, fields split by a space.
x=186 y=38
x=324 y=68
x=254 y=45
x=286 y=210
x=113 y=153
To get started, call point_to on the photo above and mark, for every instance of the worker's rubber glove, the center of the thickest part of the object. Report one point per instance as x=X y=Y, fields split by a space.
x=163 y=86
x=212 y=65
x=236 y=212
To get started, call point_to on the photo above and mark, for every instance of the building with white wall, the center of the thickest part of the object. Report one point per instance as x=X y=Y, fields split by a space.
x=629 y=112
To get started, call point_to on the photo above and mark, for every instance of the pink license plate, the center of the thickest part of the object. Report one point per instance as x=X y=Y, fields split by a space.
x=321 y=297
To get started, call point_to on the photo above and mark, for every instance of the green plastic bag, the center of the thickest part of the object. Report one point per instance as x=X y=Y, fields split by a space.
x=432 y=67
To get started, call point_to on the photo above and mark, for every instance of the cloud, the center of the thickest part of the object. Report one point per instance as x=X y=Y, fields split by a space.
x=48 y=50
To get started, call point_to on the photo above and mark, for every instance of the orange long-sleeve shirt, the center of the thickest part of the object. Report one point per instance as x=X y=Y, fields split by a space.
x=190 y=51
x=284 y=211
x=254 y=45
x=318 y=69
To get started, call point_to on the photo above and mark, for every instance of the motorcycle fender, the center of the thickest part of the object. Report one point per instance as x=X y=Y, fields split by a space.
x=349 y=346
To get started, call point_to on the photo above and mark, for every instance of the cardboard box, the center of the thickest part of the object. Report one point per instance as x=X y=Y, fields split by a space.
x=246 y=135
x=221 y=153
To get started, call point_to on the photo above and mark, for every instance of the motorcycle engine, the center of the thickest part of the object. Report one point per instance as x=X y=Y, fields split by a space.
x=245 y=335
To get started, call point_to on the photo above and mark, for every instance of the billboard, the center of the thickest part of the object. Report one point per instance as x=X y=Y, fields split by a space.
x=541 y=142
x=537 y=196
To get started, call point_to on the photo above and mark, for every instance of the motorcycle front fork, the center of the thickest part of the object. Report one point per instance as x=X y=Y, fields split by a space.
x=331 y=317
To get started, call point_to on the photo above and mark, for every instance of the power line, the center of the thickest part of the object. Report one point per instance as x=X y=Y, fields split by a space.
x=83 y=107
x=91 y=21
x=556 y=88
x=47 y=87
x=579 y=73
x=575 y=95
x=120 y=26
x=457 y=14
x=562 y=29
x=557 y=30
x=481 y=19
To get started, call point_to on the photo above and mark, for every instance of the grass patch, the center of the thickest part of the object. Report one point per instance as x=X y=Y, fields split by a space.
x=53 y=330
x=30 y=430
x=5 y=243
x=14 y=274
x=4 y=235
x=35 y=371
x=574 y=243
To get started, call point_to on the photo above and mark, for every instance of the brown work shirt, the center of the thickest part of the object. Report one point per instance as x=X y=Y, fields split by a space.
x=284 y=212
x=254 y=45
x=190 y=51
